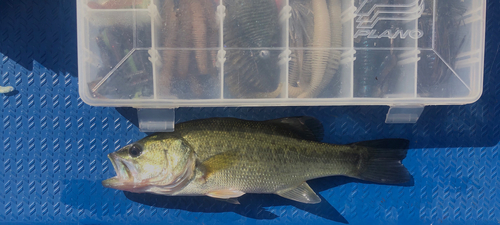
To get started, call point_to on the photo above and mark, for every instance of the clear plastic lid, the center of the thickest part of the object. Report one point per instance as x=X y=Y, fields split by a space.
x=167 y=54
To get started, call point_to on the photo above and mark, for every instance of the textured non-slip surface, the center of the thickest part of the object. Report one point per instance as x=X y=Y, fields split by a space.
x=53 y=146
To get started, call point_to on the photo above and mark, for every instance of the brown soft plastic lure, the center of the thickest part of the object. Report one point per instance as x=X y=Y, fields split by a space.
x=212 y=32
x=184 y=38
x=301 y=22
x=170 y=34
x=199 y=31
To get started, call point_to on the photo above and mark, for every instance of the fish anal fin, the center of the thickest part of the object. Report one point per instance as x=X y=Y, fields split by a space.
x=302 y=193
x=225 y=194
x=233 y=201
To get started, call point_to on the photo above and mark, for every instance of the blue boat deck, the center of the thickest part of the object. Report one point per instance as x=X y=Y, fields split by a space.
x=53 y=146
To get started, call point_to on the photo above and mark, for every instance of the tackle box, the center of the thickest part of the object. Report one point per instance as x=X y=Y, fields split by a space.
x=158 y=55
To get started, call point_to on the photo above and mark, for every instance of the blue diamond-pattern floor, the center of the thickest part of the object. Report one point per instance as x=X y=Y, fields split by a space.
x=53 y=146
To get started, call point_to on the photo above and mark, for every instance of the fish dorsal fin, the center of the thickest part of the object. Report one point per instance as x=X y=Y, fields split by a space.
x=302 y=193
x=305 y=127
x=219 y=162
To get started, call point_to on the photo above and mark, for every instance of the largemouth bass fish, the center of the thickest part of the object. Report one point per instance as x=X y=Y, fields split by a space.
x=225 y=158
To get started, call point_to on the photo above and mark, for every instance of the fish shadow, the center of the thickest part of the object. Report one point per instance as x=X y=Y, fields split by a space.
x=253 y=205
x=12 y=93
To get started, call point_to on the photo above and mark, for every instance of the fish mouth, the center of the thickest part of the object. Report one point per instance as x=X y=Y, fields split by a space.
x=124 y=174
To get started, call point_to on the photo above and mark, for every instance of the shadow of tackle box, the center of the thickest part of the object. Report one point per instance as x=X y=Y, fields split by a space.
x=158 y=55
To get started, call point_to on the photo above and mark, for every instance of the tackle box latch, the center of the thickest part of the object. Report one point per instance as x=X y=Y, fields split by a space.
x=156 y=120
x=404 y=113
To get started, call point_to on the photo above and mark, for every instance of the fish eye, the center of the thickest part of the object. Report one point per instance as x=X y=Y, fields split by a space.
x=264 y=54
x=135 y=151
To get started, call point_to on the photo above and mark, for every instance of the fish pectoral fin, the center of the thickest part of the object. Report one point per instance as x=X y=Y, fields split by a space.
x=302 y=193
x=225 y=194
x=219 y=162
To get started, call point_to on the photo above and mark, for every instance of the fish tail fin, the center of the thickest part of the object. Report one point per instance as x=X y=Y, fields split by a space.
x=383 y=161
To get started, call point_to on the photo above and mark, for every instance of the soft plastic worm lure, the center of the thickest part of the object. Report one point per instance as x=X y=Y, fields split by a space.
x=318 y=59
x=184 y=38
x=448 y=41
x=188 y=24
x=335 y=42
x=301 y=23
x=199 y=35
x=169 y=30
x=5 y=90
x=212 y=32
